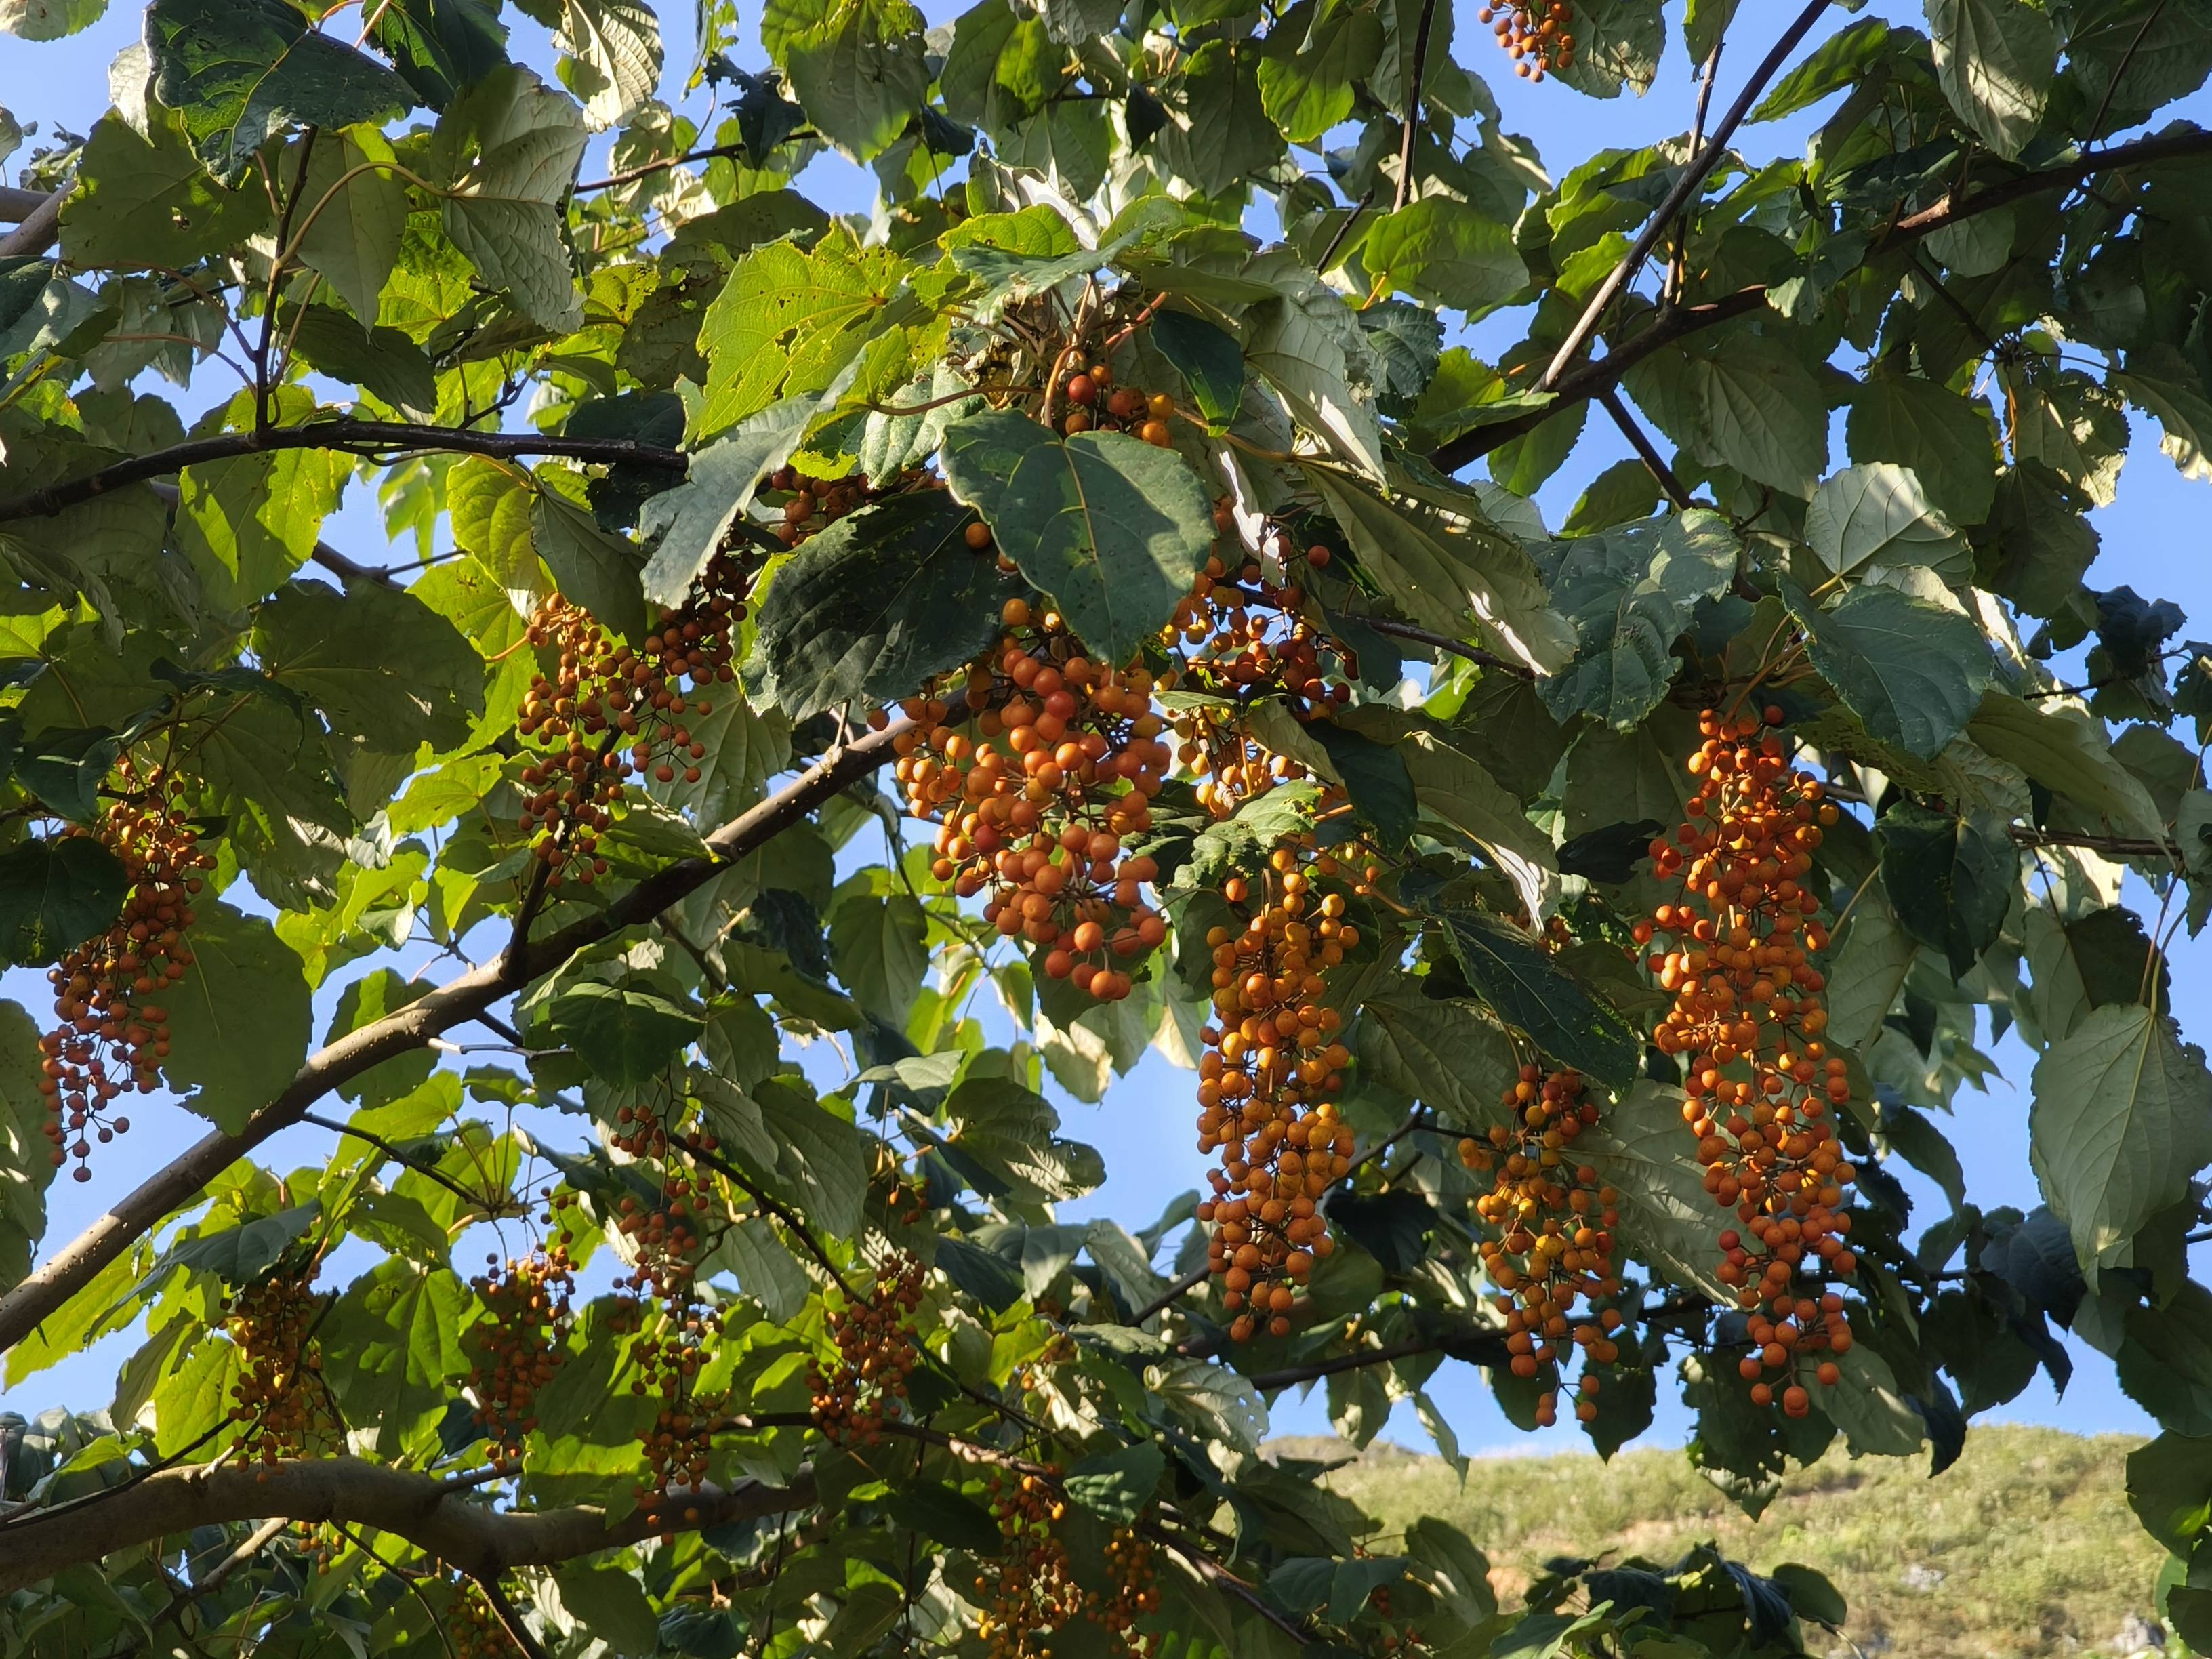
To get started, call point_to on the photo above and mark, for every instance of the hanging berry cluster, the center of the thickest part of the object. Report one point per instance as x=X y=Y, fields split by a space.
x=1537 y=34
x=110 y=993
x=1135 y=1594
x=1273 y=1059
x=279 y=1398
x=811 y=505
x=1031 y=1583
x=473 y=1631
x=1096 y=403
x=1553 y=1253
x=1034 y=797
x=1747 y=1021
x=522 y=1344
x=875 y=1354
x=1394 y=1636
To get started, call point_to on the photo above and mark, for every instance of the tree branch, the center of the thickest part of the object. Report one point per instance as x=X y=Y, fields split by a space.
x=1694 y=177
x=1411 y=124
x=1646 y=451
x=351 y=436
x=1679 y=322
x=465 y=1532
x=463 y=997
x=36 y=233
x=17 y=206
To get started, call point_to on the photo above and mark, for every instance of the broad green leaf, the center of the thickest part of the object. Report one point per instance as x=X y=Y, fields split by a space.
x=598 y=570
x=822 y=1159
x=1218 y=131
x=877 y=604
x=1995 y=60
x=1950 y=880
x=352 y=216
x=27 y=1166
x=143 y=201
x=249 y=522
x=692 y=519
x=613 y=56
x=1449 y=1055
x=1520 y=984
x=388 y=672
x=2067 y=751
x=1446 y=254
x=1752 y=401
x=391 y=1345
x=786 y=321
x=1312 y=59
x=1912 y=671
x=1869 y=970
x=878 y=948
x=382 y=361
x=1877 y=515
x=1451 y=785
x=1948 y=442
x=1618 y=44
x=2122 y=1118
x=1667 y=1217
x=510 y=145
x=1209 y=360
x=1434 y=563
x=1876 y=1419
x=1118 y=1485
x=241 y=71
x=856 y=65
x=49 y=20
x=239 y=1020
x=627 y=1034
x=55 y=894
x=488 y=502
x=1629 y=593
x=2170 y=1488
x=439 y=47
x=1115 y=530
x=610 y=1604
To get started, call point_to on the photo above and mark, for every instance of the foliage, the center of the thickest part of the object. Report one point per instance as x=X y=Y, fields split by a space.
x=1571 y=936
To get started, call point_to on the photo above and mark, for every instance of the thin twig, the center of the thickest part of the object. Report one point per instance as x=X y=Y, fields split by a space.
x=1412 y=119
x=1646 y=451
x=509 y=1616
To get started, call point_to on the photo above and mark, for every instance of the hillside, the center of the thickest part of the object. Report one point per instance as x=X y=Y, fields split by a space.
x=2025 y=1547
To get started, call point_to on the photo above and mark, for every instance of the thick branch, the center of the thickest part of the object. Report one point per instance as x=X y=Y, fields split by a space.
x=37 y=232
x=1676 y=323
x=459 y=1000
x=17 y=206
x=353 y=437
x=461 y=1530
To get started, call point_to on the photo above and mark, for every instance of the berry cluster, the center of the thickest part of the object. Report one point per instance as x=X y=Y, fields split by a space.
x=280 y=1395
x=1393 y=1637
x=1537 y=34
x=875 y=1354
x=1097 y=402
x=612 y=712
x=523 y=1343
x=109 y=992
x=1273 y=1061
x=1129 y=1567
x=1031 y=1584
x=811 y=505
x=472 y=1630
x=1554 y=1219
x=1746 y=1020
x=1034 y=797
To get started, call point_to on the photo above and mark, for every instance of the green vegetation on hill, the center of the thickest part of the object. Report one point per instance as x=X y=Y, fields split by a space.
x=2030 y=1531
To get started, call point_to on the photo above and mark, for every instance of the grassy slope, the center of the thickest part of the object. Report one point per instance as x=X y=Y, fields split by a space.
x=2031 y=1530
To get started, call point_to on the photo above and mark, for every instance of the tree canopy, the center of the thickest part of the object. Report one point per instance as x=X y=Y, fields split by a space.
x=845 y=681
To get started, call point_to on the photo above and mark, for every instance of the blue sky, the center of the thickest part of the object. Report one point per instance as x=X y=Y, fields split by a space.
x=1144 y=1125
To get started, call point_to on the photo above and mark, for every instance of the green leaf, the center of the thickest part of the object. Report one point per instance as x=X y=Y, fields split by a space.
x=1311 y=62
x=1217 y=132
x=856 y=65
x=1877 y=515
x=388 y=672
x=1209 y=360
x=1877 y=1420
x=390 y=1344
x=1449 y=1054
x=1009 y=1130
x=56 y=894
x=1995 y=60
x=1629 y=593
x=510 y=145
x=439 y=47
x=1751 y=401
x=2067 y=753
x=360 y=217
x=625 y=1033
x=248 y=523
x=2122 y=1118
x=144 y=200
x=877 y=604
x=380 y=991
x=1618 y=44
x=1445 y=253
x=49 y=20
x=382 y=361
x=1667 y=1217
x=1870 y=971
x=239 y=1020
x=613 y=56
x=877 y=947
x=822 y=1158
x=1950 y=880
x=599 y=571
x=1117 y=1485
x=788 y=320
x=1451 y=785
x=1519 y=983
x=1948 y=440
x=1913 y=671
x=2170 y=1489
x=692 y=519
x=1435 y=563
x=764 y=1266
x=27 y=1166
x=1115 y=530
x=241 y=71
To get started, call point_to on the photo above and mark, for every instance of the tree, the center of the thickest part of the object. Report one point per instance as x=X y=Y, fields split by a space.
x=865 y=675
